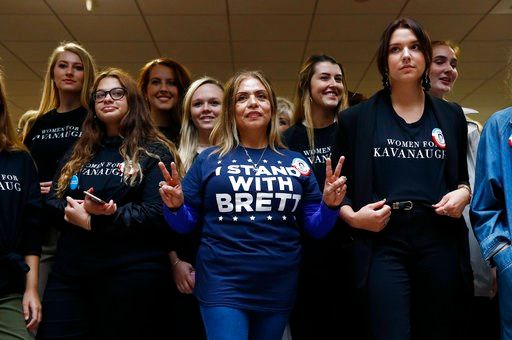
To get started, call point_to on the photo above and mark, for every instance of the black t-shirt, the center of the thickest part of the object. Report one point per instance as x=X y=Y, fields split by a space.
x=409 y=159
x=51 y=136
x=296 y=138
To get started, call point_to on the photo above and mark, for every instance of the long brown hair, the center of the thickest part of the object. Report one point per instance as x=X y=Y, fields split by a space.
x=225 y=133
x=136 y=128
x=183 y=80
x=303 y=96
x=8 y=139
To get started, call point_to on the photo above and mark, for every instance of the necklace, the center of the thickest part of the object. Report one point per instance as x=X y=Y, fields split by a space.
x=254 y=165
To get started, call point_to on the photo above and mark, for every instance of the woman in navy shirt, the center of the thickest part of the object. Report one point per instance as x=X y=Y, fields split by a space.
x=252 y=198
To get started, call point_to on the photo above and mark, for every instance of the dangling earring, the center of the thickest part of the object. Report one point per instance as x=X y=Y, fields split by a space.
x=385 y=81
x=425 y=82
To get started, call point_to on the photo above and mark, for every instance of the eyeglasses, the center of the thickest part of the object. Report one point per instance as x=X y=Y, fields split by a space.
x=116 y=93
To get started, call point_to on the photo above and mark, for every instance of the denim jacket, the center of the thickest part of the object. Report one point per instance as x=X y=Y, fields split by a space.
x=491 y=209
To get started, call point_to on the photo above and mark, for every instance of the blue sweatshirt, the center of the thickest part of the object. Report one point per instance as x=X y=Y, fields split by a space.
x=252 y=214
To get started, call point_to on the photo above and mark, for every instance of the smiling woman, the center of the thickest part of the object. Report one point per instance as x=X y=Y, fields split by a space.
x=163 y=83
x=321 y=95
x=247 y=195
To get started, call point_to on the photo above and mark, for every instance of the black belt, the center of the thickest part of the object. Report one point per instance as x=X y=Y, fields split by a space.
x=409 y=205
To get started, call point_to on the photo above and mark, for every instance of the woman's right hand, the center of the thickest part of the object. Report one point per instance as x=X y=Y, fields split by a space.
x=170 y=189
x=45 y=187
x=184 y=277
x=372 y=217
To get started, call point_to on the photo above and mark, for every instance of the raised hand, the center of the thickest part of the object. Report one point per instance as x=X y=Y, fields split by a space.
x=334 y=187
x=170 y=189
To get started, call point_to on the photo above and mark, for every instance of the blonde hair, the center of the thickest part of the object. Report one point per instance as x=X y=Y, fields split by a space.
x=189 y=135
x=448 y=43
x=303 y=97
x=285 y=106
x=225 y=133
x=8 y=139
x=50 y=98
x=136 y=128
x=25 y=123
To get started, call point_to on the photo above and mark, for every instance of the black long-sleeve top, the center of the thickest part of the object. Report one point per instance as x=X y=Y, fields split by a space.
x=20 y=211
x=51 y=136
x=135 y=234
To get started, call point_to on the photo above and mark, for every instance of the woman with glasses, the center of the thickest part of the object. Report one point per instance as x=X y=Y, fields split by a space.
x=163 y=83
x=252 y=198
x=408 y=185
x=56 y=126
x=20 y=212
x=112 y=273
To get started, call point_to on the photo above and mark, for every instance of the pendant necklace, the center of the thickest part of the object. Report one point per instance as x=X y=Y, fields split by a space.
x=254 y=165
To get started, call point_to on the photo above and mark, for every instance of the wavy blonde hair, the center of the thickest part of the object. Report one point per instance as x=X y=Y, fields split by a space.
x=136 y=129
x=225 y=133
x=189 y=136
x=8 y=139
x=50 y=98
x=303 y=98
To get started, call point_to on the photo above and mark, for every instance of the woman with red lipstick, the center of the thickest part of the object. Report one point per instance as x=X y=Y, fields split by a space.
x=484 y=312
x=163 y=83
x=56 y=126
x=201 y=107
x=408 y=185
x=112 y=272
x=321 y=94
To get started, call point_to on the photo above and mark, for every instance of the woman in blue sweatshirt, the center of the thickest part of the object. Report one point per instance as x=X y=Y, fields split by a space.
x=252 y=198
x=111 y=274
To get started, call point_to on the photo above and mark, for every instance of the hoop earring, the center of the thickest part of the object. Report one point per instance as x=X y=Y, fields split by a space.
x=425 y=82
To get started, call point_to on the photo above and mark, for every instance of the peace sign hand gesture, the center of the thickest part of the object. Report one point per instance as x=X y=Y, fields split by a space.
x=170 y=189
x=335 y=187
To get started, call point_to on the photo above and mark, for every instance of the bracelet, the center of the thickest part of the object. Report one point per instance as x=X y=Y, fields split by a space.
x=468 y=188
x=175 y=263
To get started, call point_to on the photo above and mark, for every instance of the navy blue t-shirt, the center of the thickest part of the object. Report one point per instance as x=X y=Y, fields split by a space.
x=409 y=159
x=250 y=248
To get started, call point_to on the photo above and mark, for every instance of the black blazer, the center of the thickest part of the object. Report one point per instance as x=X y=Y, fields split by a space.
x=354 y=140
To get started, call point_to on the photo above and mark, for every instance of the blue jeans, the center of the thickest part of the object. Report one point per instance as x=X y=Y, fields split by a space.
x=226 y=323
x=503 y=261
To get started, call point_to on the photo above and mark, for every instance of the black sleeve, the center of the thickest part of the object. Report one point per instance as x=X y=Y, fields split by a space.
x=462 y=130
x=143 y=213
x=53 y=205
x=340 y=148
x=31 y=220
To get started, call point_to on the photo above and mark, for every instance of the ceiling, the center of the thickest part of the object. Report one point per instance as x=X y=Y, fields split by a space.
x=218 y=37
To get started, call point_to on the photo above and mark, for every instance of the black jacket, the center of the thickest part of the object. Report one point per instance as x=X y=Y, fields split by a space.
x=354 y=140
